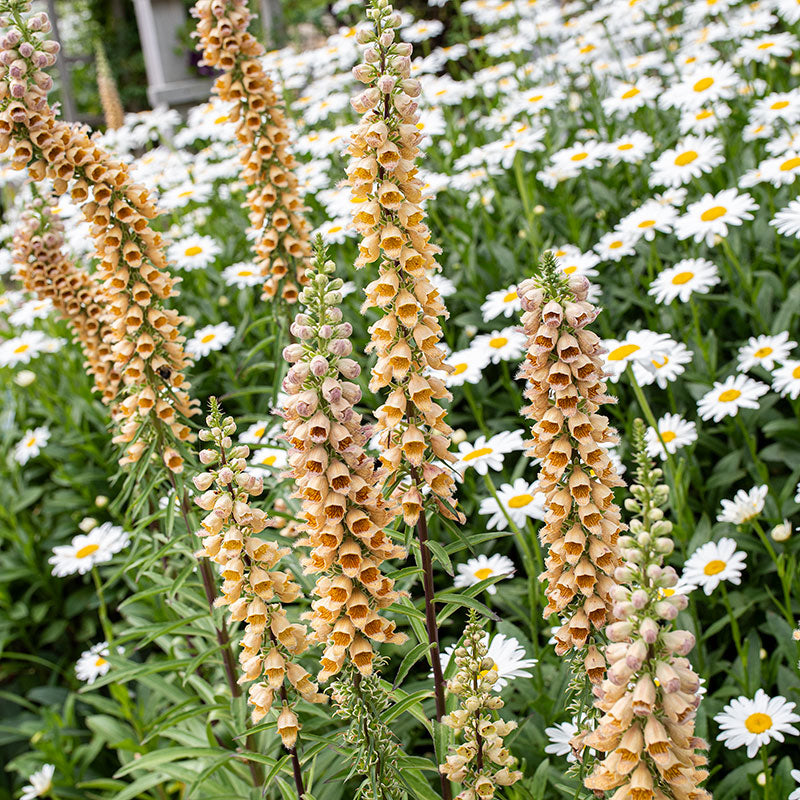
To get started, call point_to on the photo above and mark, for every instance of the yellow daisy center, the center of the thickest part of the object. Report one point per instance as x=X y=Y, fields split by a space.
x=714 y=567
x=269 y=460
x=245 y=273
x=766 y=45
x=194 y=250
x=486 y=671
x=705 y=114
x=658 y=365
x=21 y=348
x=483 y=573
x=31 y=442
x=729 y=395
x=779 y=104
x=481 y=451
x=511 y=297
x=209 y=337
x=459 y=368
x=668 y=436
x=497 y=342
x=626 y=146
x=796 y=372
x=101 y=662
x=703 y=84
x=682 y=277
x=520 y=501
x=630 y=93
x=715 y=212
x=87 y=550
x=187 y=193
x=758 y=722
x=615 y=245
x=789 y=164
x=762 y=352
x=686 y=158
x=623 y=351
x=536 y=98
x=646 y=223
x=579 y=156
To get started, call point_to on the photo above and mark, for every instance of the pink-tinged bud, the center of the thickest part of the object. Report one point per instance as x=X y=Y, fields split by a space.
x=680 y=601
x=365 y=35
x=403 y=49
x=411 y=86
x=402 y=66
x=619 y=631
x=301 y=331
x=372 y=55
x=348 y=368
x=18 y=68
x=331 y=390
x=623 y=610
x=319 y=365
x=667 y=677
x=18 y=90
x=26 y=50
x=11 y=38
x=404 y=104
x=666 y=610
x=299 y=372
x=622 y=574
x=620 y=594
x=325 y=332
x=345 y=330
x=340 y=347
x=206 y=500
x=639 y=599
x=366 y=101
x=579 y=285
x=225 y=475
x=386 y=38
x=223 y=506
x=208 y=456
x=648 y=630
x=680 y=642
x=364 y=72
x=654 y=572
x=293 y=352
x=335 y=315
x=386 y=83
x=636 y=655
x=619 y=673
x=203 y=481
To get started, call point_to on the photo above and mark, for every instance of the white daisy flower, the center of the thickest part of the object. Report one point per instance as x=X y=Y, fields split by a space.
x=786 y=379
x=710 y=216
x=692 y=157
x=87 y=550
x=193 y=252
x=764 y=48
x=683 y=279
x=615 y=245
x=242 y=275
x=787 y=220
x=581 y=155
x=649 y=218
x=28 y=312
x=675 y=433
x=666 y=364
x=795 y=773
x=631 y=148
x=637 y=347
x=208 y=338
x=521 y=501
x=39 y=783
x=508 y=657
x=780 y=171
x=185 y=193
x=485 y=454
x=335 y=231
x=93 y=663
x=468 y=366
x=504 y=301
x=31 y=444
x=257 y=433
x=625 y=97
x=482 y=567
x=756 y=722
x=507 y=344
x=21 y=349
x=560 y=736
x=269 y=457
x=703 y=120
x=423 y=29
x=744 y=506
x=713 y=563
x=764 y=351
x=573 y=262
x=784 y=106
x=727 y=397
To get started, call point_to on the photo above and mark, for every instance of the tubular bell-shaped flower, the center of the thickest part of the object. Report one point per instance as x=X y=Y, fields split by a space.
x=113 y=112
x=481 y=762
x=389 y=217
x=145 y=341
x=344 y=513
x=650 y=696
x=564 y=370
x=282 y=245
x=252 y=589
x=47 y=271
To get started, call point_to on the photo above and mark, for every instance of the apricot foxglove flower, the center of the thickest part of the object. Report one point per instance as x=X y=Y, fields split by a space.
x=565 y=391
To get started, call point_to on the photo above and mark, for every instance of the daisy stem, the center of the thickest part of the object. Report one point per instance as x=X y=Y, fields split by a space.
x=737 y=636
x=780 y=566
x=761 y=468
x=767 y=774
x=102 y=609
x=476 y=410
x=701 y=342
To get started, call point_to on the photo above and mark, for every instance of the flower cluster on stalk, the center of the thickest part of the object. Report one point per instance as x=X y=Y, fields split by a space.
x=144 y=335
x=564 y=370
x=49 y=273
x=344 y=514
x=649 y=698
x=252 y=589
x=481 y=762
x=382 y=175
x=282 y=244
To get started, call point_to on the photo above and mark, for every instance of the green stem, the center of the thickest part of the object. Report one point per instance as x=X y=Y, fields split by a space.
x=105 y=623
x=737 y=636
x=767 y=774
